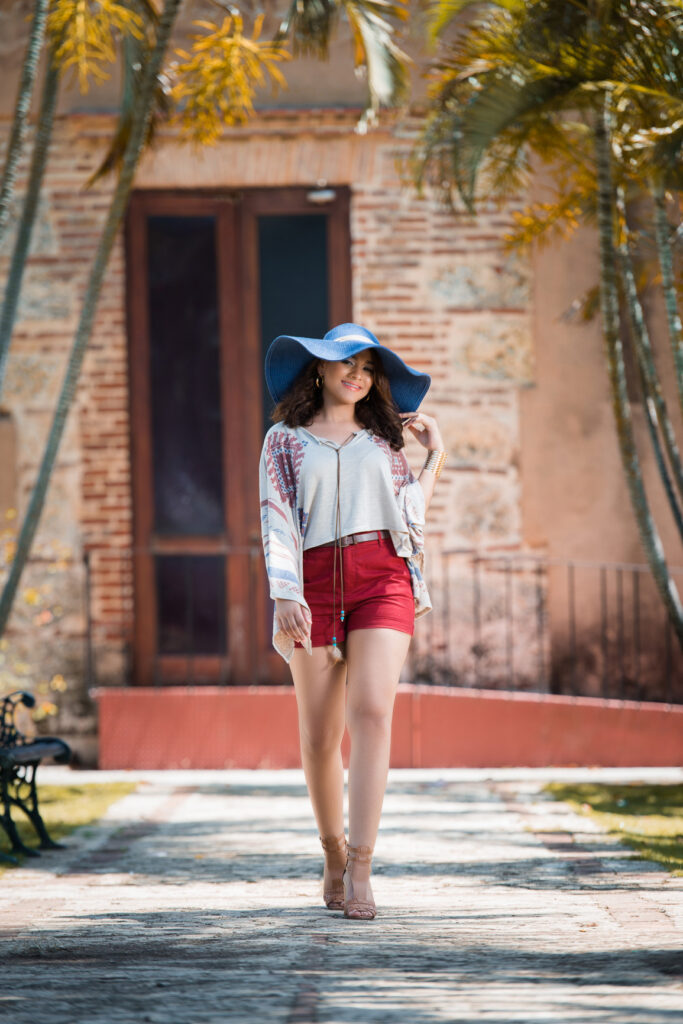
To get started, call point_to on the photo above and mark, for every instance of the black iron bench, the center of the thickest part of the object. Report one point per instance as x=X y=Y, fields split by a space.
x=19 y=760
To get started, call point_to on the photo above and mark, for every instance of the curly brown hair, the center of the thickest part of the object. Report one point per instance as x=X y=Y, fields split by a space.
x=377 y=412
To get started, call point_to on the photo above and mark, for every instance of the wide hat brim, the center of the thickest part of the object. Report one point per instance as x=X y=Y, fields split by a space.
x=287 y=356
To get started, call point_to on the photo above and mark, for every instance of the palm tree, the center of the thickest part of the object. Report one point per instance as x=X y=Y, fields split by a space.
x=23 y=104
x=663 y=232
x=656 y=412
x=609 y=302
x=552 y=77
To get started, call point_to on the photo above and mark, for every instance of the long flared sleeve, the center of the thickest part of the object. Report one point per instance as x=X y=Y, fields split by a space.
x=279 y=467
x=411 y=504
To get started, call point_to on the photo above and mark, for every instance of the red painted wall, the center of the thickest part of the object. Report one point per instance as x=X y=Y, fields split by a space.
x=434 y=727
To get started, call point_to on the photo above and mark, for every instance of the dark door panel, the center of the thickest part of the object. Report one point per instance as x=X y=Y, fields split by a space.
x=293 y=275
x=185 y=359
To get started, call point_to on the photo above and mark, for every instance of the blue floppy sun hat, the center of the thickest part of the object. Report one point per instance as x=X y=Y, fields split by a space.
x=287 y=355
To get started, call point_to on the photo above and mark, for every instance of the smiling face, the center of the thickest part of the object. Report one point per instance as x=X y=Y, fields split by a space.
x=348 y=381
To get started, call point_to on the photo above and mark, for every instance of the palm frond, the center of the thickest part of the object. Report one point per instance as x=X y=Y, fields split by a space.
x=502 y=101
x=499 y=72
x=441 y=13
x=214 y=85
x=85 y=35
x=544 y=222
x=309 y=25
x=377 y=50
x=133 y=60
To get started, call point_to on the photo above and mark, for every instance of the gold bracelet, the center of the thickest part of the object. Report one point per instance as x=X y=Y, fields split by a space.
x=435 y=462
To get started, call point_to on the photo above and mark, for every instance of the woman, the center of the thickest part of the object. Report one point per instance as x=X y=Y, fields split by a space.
x=342 y=520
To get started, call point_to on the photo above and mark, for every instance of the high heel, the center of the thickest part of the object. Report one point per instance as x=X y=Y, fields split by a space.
x=333 y=895
x=355 y=908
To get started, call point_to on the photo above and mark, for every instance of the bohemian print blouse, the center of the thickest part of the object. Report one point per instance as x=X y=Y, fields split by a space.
x=298 y=491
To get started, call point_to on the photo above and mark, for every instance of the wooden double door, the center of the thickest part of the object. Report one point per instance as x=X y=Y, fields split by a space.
x=212 y=278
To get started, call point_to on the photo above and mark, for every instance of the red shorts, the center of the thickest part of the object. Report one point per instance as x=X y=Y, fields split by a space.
x=377 y=590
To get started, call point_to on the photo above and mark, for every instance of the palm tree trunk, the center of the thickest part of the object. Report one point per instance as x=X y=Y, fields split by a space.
x=28 y=214
x=652 y=425
x=84 y=329
x=609 y=304
x=23 y=104
x=662 y=230
x=655 y=405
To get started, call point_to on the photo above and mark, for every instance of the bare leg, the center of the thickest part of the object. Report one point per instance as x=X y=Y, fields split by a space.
x=375 y=658
x=320 y=694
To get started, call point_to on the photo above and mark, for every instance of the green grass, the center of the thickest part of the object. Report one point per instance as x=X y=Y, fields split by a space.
x=65 y=808
x=647 y=818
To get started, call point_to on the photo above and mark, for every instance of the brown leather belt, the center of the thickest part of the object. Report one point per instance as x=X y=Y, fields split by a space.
x=357 y=538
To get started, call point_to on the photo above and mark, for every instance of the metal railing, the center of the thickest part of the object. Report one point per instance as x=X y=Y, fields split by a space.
x=520 y=621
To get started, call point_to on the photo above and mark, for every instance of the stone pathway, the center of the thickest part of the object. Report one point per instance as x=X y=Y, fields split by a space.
x=196 y=901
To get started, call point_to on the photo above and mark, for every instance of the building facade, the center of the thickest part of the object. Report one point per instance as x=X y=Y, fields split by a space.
x=147 y=567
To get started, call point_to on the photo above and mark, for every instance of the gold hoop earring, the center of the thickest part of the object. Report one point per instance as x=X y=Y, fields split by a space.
x=319 y=382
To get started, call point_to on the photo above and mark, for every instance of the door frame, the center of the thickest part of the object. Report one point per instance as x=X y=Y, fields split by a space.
x=250 y=657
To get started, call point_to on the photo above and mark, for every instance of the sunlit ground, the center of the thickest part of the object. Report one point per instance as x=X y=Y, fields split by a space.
x=65 y=808
x=199 y=898
x=648 y=818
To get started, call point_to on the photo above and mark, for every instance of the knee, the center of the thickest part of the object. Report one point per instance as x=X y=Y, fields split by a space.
x=320 y=740
x=370 y=716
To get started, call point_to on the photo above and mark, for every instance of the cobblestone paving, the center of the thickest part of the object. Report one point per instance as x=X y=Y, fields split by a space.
x=197 y=901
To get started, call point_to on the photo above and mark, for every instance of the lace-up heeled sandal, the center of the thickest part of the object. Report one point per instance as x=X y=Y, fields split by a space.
x=333 y=888
x=355 y=908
